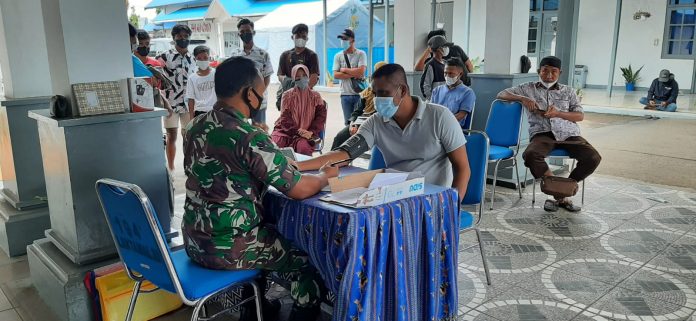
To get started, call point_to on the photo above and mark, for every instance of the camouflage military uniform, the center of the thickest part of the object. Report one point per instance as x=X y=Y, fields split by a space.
x=229 y=165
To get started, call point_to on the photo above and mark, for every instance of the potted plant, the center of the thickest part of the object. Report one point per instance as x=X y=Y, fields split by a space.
x=630 y=77
x=579 y=92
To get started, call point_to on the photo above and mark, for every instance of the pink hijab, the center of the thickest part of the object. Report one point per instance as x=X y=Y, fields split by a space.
x=302 y=102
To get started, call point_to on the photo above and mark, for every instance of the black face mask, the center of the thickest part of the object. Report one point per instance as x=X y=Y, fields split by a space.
x=182 y=43
x=253 y=111
x=143 y=51
x=247 y=37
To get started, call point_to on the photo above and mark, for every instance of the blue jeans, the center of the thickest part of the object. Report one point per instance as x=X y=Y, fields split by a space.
x=348 y=104
x=670 y=107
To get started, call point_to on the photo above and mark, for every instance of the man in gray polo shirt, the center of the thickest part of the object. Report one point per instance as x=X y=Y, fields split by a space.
x=412 y=135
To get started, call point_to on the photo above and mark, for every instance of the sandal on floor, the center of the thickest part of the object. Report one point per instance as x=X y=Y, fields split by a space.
x=569 y=206
x=550 y=206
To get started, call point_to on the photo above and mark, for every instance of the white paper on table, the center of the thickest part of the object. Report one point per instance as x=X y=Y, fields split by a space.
x=385 y=179
x=348 y=197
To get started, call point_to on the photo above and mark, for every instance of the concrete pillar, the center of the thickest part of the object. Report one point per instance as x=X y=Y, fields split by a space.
x=566 y=39
x=53 y=44
x=411 y=27
x=505 y=42
x=506 y=35
x=460 y=24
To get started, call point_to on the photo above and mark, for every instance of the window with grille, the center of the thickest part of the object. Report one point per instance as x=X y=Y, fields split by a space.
x=680 y=27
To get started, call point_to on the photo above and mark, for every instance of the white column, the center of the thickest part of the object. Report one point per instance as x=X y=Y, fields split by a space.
x=477 y=31
x=411 y=26
x=460 y=24
x=506 y=35
x=220 y=38
x=23 y=50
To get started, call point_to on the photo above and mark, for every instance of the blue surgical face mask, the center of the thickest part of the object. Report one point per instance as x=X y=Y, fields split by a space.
x=345 y=44
x=385 y=106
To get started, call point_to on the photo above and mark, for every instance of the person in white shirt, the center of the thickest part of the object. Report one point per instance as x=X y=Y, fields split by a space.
x=200 y=89
x=349 y=64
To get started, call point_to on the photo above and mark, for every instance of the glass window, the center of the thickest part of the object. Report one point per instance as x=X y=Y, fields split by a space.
x=534 y=5
x=689 y=16
x=533 y=22
x=550 y=4
x=531 y=47
x=532 y=35
x=680 y=29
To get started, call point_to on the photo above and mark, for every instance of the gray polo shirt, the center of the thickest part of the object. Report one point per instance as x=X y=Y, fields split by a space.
x=421 y=146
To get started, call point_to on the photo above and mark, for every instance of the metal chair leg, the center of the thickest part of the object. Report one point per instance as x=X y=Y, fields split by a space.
x=582 y=202
x=483 y=256
x=258 y=295
x=517 y=175
x=533 y=190
x=134 y=297
x=495 y=181
x=526 y=170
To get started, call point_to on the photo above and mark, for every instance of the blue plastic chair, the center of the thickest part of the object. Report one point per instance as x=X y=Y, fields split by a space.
x=477 y=146
x=140 y=243
x=557 y=153
x=503 y=127
x=376 y=159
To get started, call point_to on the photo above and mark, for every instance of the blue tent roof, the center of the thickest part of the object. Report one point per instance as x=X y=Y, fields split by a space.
x=184 y=14
x=255 y=7
x=162 y=3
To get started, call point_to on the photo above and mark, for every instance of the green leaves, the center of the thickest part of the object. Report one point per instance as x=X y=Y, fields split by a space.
x=630 y=76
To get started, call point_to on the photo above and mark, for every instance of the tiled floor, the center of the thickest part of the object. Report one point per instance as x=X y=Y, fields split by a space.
x=629 y=255
x=623 y=99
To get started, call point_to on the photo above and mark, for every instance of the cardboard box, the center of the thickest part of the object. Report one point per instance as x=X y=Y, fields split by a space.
x=354 y=190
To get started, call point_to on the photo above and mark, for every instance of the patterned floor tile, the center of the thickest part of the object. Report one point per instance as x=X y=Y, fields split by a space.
x=522 y=304
x=662 y=286
x=619 y=203
x=637 y=245
x=598 y=266
x=566 y=287
x=473 y=290
x=678 y=257
x=560 y=225
x=678 y=218
x=624 y=304
x=510 y=252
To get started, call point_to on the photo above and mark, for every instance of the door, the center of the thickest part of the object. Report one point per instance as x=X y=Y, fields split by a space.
x=549 y=27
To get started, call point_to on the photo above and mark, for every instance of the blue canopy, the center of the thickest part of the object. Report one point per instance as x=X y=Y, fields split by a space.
x=161 y=3
x=255 y=7
x=185 y=14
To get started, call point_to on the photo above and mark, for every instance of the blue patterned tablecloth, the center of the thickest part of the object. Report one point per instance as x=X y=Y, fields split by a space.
x=396 y=261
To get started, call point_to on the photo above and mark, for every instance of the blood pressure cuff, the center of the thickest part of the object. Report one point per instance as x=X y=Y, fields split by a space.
x=355 y=146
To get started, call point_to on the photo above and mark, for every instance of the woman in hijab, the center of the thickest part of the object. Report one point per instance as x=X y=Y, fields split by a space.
x=302 y=115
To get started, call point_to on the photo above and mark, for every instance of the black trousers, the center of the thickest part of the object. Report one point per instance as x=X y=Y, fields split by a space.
x=543 y=143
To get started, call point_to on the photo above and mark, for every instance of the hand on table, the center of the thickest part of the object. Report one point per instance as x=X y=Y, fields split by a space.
x=329 y=171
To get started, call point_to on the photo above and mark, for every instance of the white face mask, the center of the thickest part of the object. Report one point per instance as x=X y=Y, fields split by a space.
x=445 y=51
x=451 y=80
x=202 y=64
x=300 y=43
x=546 y=84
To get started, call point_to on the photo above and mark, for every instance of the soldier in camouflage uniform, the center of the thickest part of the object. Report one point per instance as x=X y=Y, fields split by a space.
x=229 y=165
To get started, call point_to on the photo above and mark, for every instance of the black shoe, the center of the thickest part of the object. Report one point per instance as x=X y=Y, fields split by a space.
x=304 y=314
x=270 y=310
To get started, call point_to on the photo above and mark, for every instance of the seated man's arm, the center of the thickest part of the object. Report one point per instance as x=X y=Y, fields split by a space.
x=461 y=115
x=266 y=162
x=453 y=141
x=651 y=90
x=462 y=172
x=516 y=94
x=352 y=148
x=466 y=105
x=675 y=92
x=469 y=65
